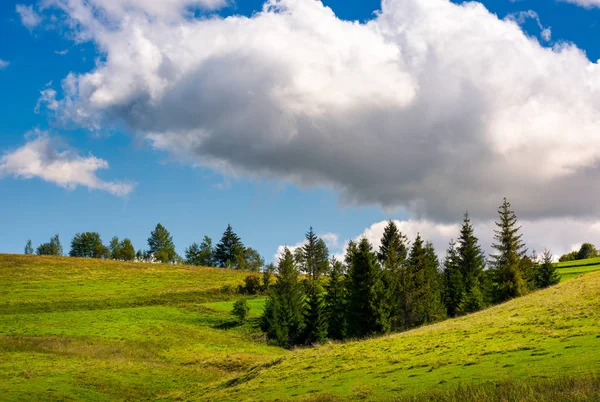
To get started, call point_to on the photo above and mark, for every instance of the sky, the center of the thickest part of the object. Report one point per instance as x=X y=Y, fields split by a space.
x=281 y=115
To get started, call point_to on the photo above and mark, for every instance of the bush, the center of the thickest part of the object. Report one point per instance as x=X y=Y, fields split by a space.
x=241 y=308
x=251 y=285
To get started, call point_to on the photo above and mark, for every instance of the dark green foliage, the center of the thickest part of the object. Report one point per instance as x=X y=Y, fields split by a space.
x=471 y=262
x=115 y=248
x=250 y=260
x=161 y=246
x=508 y=278
x=335 y=301
x=546 y=273
x=267 y=277
x=251 y=285
x=454 y=284
x=139 y=255
x=314 y=263
x=228 y=251
x=572 y=256
x=392 y=256
x=586 y=251
x=53 y=247
x=423 y=287
x=367 y=310
x=87 y=245
x=127 y=251
x=528 y=268
x=283 y=318
x=28 y=247
x=200 y=255
x=241 y=308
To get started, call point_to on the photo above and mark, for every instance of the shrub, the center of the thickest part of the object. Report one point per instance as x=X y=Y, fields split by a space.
x=251 y=285
x=241 y=308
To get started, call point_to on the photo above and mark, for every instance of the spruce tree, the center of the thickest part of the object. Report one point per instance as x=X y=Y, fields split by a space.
x=335 y=301
x=161 y=246
x=367 y=312
x=454 y=285
x=507 y=275
x=431 y=295
x=229 y=249
x=547 y=274
x=472 y=263
x=28 y=247
x=283 y=318
x=392 y=256
x=315 y=264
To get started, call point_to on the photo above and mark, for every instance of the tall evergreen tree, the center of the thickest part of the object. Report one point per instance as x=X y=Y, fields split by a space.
x=28 y=247
x=229 y=249
x=367 y=312
x=161 y=246
x=392 y=256
x=335 y=301
x=454 y=284
x=546 y=273
x=315 y=263
x=431 y=295
x=472 y=263
x=508 y=278
x=283 y=318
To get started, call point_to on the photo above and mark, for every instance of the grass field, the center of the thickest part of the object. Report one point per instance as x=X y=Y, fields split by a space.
x=75 y=329
x=573 y=269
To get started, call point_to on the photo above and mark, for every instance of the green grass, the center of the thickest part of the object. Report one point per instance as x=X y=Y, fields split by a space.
x=550 y=334
x=573 y=269
x=77 y=329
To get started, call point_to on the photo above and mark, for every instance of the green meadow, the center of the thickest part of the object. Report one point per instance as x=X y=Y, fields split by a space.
x=83 y=329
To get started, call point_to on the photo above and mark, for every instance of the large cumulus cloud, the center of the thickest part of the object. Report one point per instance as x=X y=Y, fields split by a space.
x=430 y=106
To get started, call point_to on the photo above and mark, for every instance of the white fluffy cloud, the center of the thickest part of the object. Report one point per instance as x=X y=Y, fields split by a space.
x=29 y=18
x=3 y=64
x=43 y=157
x=585 y=3
x=431 y=106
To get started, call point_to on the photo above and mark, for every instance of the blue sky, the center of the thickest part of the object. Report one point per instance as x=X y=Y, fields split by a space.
x=190 y=197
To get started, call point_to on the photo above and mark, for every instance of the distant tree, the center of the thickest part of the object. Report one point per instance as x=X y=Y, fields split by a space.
x=139 y=255
x=528 y=269
x=241 y=308
x=392 y=256
x=161 y=246
x=283 y=318
x=366 y=307
x=252 y=260
x=54 y=247
x=586 y=251
x=454 y=284
x=471 y=262
x=192 y=254
x=508 y=278
x=546 y=273
x=87 y=245
x=115 y=248
x=335 y=301
x=229 y=249
x=28 y=247
x=314 y=262
x=267 y=277
x=431 y=300
x=200 y=255
x=572 y=256
x=127 y=251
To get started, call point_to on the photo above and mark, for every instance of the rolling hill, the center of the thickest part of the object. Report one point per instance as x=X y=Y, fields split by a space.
x=79 y=329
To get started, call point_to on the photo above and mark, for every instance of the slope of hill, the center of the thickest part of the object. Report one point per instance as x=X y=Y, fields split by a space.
x=573 y=269
x=551 y=334
x=80 y=329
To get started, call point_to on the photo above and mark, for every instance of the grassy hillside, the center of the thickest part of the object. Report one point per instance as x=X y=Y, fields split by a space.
x=546 y=335
x=73 y=329
x=573 y=269
x=79 y=329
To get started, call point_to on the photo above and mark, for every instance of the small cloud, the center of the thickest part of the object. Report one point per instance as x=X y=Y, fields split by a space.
x=46 y=158
x=3 y=64
x=62 y=52
x=29 y=18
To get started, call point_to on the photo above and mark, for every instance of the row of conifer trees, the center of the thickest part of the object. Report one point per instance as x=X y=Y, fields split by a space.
x=398 y=287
